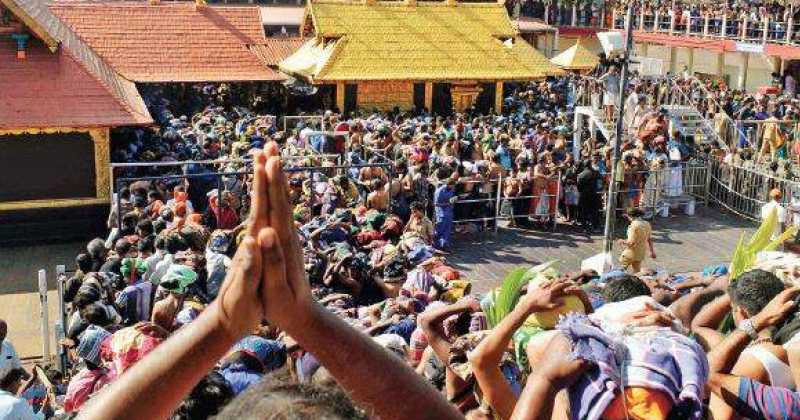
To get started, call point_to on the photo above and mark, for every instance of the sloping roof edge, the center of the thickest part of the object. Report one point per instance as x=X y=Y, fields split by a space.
x=32 y=24
x=123 y=90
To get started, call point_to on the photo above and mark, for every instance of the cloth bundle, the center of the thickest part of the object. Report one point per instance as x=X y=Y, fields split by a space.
x=660 y=360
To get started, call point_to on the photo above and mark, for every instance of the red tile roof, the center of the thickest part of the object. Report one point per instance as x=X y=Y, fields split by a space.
x=64 y=83
x=275 y=50
x=171 y=41
x=55 y=90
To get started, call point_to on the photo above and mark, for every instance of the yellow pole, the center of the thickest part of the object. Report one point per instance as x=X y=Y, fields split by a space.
x=498 y=97
x=340 y=96
x=429 y=96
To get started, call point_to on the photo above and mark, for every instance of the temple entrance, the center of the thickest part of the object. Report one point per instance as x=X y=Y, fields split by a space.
x=464 y=96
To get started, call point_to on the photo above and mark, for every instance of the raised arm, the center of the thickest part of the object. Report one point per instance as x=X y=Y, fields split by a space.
x=287 y=299
x=723 y=356
x=431 y=323
x=154 y=386
x=753 y=399
x=705 y=324
x=485 y=359
x=557 y=372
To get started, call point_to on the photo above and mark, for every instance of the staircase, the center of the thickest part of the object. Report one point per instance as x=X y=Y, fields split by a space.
x=597 y=121
x=688 y=121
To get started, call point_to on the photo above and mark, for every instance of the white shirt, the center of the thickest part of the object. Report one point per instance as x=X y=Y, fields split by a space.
x=791 y=86
x=15 y=408
x=794 y=211
x=161 y=269
x=152 y=262
x=766 y=209
x=9 y=360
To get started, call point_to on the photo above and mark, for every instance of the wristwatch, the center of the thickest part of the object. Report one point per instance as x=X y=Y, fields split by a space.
x=747 y=327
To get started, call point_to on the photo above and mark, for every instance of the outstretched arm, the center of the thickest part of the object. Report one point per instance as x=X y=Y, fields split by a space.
x=432 y=324
x=753 y=399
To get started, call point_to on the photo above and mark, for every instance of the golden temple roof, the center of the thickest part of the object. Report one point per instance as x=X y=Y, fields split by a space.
x=426 y=41
x=576 y=57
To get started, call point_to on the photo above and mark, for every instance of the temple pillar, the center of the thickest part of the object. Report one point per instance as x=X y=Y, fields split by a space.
x=498 y=97
x=102 y=162
x=340 y=89
x=429 y=96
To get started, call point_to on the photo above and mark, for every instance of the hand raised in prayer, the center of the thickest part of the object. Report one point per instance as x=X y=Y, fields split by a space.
x=777 y=309
x=266 y=278
x=284 y=291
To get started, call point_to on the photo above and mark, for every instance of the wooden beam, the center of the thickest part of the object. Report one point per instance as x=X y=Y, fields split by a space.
x=429 y=96
x=498 y=97
x=35 y=27
x=340 y=96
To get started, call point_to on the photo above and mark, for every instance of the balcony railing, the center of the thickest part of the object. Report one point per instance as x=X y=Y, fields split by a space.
x=762 y=30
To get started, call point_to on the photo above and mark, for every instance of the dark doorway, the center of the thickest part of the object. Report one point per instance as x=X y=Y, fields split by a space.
x=485 y=100
x=419 y=96
x=350 y=97
x=442 y=101
x=324 y=98
x=47 y=166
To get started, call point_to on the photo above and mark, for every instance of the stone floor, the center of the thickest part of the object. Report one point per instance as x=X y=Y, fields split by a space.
x=682 y=243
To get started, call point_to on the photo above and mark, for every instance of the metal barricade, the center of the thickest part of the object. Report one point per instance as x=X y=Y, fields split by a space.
x=314 y=159
x=744 y=190
x=694 y=25
x=653 y=191
x=664 y=23
x=479 y=204
x=776 y=31
x=680 y=24
x=794 y=37
x=135 y=169
x=316 y=198
x=62 y=323
x=542 y=203
x=649 y=22
x=755 y=129
x=222 y=180
x=290 y=121
x=733 y=28
x=715 y=27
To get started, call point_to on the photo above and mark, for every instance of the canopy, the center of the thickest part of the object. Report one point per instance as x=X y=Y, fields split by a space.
x=576 y=57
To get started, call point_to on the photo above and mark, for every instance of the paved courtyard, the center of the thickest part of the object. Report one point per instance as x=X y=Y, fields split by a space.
x=682 y=243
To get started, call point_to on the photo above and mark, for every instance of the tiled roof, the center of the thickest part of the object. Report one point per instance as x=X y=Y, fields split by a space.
x=429 y=41
x=275 y=50
x=61 y=86
x=576 y=57
x=171 y=41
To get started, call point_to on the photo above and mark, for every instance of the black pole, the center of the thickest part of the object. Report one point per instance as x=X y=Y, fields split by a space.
x=611 y=201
